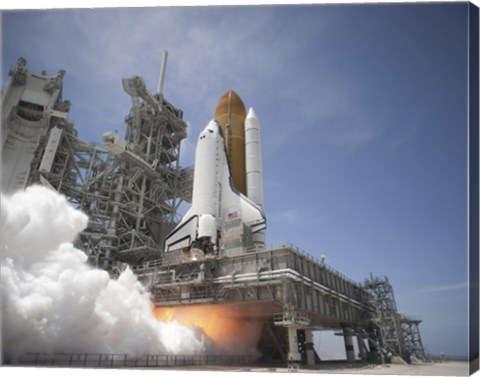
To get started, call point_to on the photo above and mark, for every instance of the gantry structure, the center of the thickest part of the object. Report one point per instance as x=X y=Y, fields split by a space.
x=146 y=185
x=131 y=188
x=399 y=334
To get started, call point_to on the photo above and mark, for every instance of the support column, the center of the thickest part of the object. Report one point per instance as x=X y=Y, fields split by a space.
x=309 y=347
x=373 y=350
x=348 y=339
x=361 y=347
x=371 y=345
x=293 y=353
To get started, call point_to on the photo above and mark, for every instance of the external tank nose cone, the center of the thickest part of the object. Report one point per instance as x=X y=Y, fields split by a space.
x=230 y=103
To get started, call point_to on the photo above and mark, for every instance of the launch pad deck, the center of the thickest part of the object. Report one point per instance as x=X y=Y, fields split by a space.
x=282 y=278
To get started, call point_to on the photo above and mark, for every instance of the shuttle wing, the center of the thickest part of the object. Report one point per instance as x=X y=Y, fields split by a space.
x=184 y=233
x=237 y=204
x=252 y=214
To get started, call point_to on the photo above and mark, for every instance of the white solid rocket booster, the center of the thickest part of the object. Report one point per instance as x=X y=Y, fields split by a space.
x=253 y=166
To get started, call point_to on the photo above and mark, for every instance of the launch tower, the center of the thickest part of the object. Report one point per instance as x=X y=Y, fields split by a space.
x=130 y=189
x=146 y=184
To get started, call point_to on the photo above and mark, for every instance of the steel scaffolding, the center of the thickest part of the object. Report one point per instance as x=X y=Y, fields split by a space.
x=412 y=338
x=131 y=190
x=398 y=335
x=143 y=188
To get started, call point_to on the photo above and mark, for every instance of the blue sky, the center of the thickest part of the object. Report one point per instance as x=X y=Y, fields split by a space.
x=363 y=116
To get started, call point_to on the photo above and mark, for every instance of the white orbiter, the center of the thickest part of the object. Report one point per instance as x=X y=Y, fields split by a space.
x=215 y=200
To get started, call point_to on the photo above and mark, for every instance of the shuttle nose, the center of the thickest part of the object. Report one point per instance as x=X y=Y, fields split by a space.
x=211 y=129
x=212 y=126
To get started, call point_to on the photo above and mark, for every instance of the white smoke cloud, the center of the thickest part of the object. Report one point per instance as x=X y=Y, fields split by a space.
x=53 y=301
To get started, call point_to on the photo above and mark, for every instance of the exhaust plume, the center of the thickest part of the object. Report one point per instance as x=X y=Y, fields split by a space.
x=53 y=301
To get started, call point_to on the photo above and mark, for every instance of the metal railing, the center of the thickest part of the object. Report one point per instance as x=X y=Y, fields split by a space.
x=291 y=318
x=102 y=360
x=288 y=245
x=284 y=245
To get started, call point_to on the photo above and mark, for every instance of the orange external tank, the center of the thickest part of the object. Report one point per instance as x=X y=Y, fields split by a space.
x=230 y=113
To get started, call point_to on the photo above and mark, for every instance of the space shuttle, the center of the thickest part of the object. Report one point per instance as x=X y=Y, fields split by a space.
x=227 y=157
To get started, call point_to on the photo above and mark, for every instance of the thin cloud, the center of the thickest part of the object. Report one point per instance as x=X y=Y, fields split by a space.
x=109 y=44
x=289 y=216
x=444 y=288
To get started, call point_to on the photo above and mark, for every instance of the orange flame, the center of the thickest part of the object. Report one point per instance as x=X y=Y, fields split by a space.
x=226 y=325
